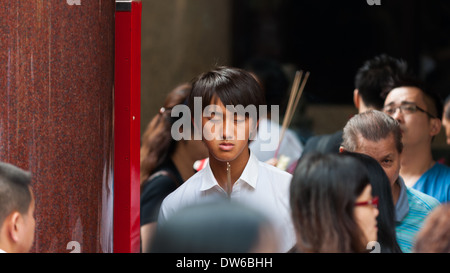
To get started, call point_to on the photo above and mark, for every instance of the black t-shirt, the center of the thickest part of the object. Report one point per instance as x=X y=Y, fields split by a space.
x=155 y=190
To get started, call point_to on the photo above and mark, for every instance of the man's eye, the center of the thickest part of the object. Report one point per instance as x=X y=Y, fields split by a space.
x=409 y=108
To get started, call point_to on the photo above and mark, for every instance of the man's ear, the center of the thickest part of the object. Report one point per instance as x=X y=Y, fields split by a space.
x=435 y=127
x=356 y=98
x=14 y=225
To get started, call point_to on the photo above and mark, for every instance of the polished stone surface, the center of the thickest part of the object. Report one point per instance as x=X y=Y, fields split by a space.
x=56 y=105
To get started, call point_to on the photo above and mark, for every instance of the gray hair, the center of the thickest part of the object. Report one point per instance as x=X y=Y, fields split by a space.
x=372 y=125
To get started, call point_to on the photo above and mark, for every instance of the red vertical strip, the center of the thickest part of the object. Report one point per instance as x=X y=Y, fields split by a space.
x=127 y=129
x=136 y=121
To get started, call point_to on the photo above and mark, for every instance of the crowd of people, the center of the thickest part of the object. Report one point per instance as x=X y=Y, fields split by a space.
x=375 y=182
x=373 y=186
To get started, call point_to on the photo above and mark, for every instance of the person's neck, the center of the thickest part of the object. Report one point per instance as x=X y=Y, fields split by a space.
x=183 y=162
x=395 y=189
x=416 y=160
x=6 y=244
x=219 y=168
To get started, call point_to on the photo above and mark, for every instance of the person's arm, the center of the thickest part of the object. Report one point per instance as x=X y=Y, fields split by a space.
x=152 y=196
x=147 y=233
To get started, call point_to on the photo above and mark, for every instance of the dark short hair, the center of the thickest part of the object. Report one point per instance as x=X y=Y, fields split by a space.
x=372 y=125
x=376 y=76
x=15 y=194
x=431 y=98
x=233 y=86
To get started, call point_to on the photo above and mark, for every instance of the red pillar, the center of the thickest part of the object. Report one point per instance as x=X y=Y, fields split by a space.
x=127 y=126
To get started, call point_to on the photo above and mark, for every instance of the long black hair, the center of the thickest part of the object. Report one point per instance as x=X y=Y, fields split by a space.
x=323 y=193
x=381 y=187
x=157 y=141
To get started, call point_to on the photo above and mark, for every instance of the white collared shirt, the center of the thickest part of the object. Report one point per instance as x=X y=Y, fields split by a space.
x=2 y=251
x=260 y=186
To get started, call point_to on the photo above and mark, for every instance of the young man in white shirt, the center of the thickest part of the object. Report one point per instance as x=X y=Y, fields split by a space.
x=17 y=221
x=233 y=171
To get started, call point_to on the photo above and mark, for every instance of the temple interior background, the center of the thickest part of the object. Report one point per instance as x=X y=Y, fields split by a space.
x=331 y=39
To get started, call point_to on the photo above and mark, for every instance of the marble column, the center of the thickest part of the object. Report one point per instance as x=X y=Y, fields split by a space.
x=56 y=115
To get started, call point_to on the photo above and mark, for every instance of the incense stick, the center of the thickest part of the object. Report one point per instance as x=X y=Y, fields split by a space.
x=294 y=98
x=297 y=99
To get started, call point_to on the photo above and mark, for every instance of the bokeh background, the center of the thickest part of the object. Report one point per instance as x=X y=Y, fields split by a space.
x=329 y=38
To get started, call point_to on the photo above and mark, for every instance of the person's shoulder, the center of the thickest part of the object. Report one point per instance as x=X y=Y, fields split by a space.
x=184 y=195
x=326 y=143
x=421 y=199
x=312 y=141
x=176 y=197
x=438 y=174
x=160 y=182
x=270 y=171
x=194 y=181
x=443 y=170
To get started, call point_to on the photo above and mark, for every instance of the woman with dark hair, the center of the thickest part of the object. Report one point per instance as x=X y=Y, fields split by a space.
x=381 y=188
x=165 y=162
x=332 y=206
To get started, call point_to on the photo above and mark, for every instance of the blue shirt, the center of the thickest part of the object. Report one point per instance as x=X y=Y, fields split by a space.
x=411 y=210
x=435 y=182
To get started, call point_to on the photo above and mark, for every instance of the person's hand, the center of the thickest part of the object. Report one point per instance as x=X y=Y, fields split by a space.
x=272 y=161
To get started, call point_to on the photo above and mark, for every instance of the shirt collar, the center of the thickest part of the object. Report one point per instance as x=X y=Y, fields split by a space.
x=402 y=206
x=249 y=175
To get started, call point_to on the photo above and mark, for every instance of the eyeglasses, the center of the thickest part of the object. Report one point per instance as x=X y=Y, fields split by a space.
x=372 y=202
x=406 y=108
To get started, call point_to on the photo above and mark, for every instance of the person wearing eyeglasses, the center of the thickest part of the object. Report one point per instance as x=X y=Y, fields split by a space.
x=373 y=78
x=333 y=209
x=378 y=135
x=418 y=111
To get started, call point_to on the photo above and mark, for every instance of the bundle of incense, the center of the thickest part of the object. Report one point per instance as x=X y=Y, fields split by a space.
x=229 y=179
x=294 y=98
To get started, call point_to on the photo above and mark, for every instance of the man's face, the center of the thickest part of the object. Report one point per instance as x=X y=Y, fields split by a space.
x=225 y=133
x=417 y=128
x=385 y=152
